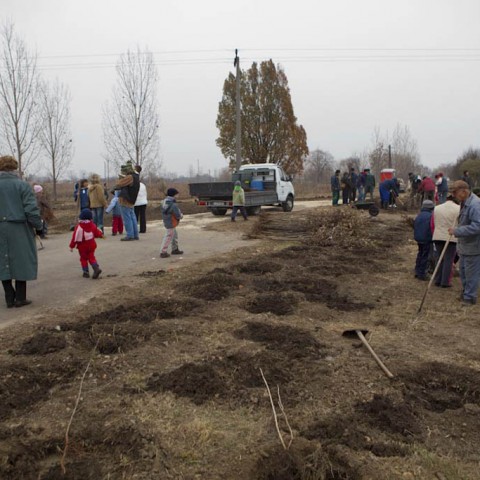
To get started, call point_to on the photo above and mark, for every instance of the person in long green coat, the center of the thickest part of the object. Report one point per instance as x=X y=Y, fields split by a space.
x=19 y=220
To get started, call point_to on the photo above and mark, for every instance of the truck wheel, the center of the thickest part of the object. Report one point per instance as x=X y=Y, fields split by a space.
x=373 y=210
x=288 y=204
x=252 y=211
x=219 y=211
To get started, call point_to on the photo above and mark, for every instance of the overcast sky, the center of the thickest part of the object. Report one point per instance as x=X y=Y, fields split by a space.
x=351 y=66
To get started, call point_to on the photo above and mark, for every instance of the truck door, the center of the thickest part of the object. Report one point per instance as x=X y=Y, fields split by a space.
x=282 y=179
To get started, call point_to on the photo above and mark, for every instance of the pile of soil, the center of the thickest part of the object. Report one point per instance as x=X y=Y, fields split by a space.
x=283 y=303
x=212 y=287
x=43 y=343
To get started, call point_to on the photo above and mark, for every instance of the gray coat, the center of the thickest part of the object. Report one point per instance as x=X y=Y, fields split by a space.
x=19 y=215
x=468 y=230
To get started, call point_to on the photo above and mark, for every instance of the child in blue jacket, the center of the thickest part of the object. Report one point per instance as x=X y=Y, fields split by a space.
x=114 y=207
x=422 y=228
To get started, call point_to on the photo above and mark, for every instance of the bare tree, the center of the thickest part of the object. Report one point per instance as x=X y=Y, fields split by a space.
x=19 y=111
x=130 y=120
x=55 y=134
x=320 y=165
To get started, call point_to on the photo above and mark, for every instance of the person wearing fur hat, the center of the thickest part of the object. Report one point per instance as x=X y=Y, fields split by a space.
x=83 y=238
x=171 y=216
x=422 y=228
x=19 y=216
x=98 y=202
x=129 y=185
x=238 y=201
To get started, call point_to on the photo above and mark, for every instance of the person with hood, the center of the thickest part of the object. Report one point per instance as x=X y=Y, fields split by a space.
x=422 y=229
x=468 y=240
x=129 y=185
x=83 y=238
x=19 y=217
x=445 y=216
x=98 y=203
x=171 y=216
x=238 y=201
x=335 y=186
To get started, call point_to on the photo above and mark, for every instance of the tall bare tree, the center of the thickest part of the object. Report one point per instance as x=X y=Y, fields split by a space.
x=319 y=166
x=270 y=132
x=130 y=120
x=55 y=134
x=19 y=110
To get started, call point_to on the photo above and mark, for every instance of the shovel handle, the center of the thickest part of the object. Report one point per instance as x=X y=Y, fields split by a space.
x=387 y=372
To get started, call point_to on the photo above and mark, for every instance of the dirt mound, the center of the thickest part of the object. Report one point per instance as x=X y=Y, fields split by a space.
x=345 y=304
x=390 y=450
x=213 y=286
x=397 y=418
x=439 y=386
x=282 y=303
x=86 y=469
x=291 y=341
x=314 y=288
x=258 y=267
x=303 y=461
x=230 y=378
x=111 y=339
x=143 y=312
x=22 y=386
x=43 y=343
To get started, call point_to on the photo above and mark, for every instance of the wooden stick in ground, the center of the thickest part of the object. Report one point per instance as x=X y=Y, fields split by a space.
x=387 y=372
x=64 y=456
x=432 y=278
x=274 y=412
x=280 y=404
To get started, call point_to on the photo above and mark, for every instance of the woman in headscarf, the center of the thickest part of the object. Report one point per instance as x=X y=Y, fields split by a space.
x=19 y=220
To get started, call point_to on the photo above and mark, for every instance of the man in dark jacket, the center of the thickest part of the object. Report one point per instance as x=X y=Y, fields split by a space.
x=128 y=186
x=369 y=183
x=468 y=243
x=335 y=186
x=423 y=236
x=353 y=182
x=19 y=216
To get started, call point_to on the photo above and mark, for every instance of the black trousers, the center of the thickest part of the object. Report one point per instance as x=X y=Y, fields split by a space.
x=141 y=214
x=18 y=293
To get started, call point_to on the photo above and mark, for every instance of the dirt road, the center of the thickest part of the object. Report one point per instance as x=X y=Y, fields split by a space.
x=60 y=283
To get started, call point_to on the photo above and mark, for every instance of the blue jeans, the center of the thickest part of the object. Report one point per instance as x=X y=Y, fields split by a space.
x=442 y=197
x=129 y=221
x=470 y=275
x=98 y=217
x=361 y=193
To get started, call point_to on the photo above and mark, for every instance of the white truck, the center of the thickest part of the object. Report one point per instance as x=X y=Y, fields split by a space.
x=264 y=184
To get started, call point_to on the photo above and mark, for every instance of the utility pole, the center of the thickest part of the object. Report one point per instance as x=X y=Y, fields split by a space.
x=389 y=156
x=238 y=140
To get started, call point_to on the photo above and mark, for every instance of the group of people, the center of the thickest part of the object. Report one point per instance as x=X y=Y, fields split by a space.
x=352 y=186
x=21 y=221
x=452 y=230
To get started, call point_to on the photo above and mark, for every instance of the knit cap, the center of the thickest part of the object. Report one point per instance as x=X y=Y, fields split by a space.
x=37 y=188
x=86 y=214
x=428 y=204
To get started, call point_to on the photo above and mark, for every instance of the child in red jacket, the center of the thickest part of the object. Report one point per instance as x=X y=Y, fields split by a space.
x=84 y=239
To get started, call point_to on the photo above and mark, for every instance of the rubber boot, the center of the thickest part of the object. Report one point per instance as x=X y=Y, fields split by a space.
x=9 y=293
x=96 y=271
x=21 y=294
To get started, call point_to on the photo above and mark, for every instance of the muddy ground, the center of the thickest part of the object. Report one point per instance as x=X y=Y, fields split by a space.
x=174 y=389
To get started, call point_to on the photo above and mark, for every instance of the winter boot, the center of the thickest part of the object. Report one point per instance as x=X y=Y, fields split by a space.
x=86 y=274
x=96 y=271
x=9 y=293
x=164 y=255
x=21 y=294
x=177 y=252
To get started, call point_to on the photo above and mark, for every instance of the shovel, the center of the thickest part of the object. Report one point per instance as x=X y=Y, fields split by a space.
x=358 y=333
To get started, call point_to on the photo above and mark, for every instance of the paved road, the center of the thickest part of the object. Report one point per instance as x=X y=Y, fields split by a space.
x=60 y=283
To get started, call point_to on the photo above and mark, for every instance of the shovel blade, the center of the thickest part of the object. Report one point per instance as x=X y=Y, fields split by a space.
x=353 y=333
